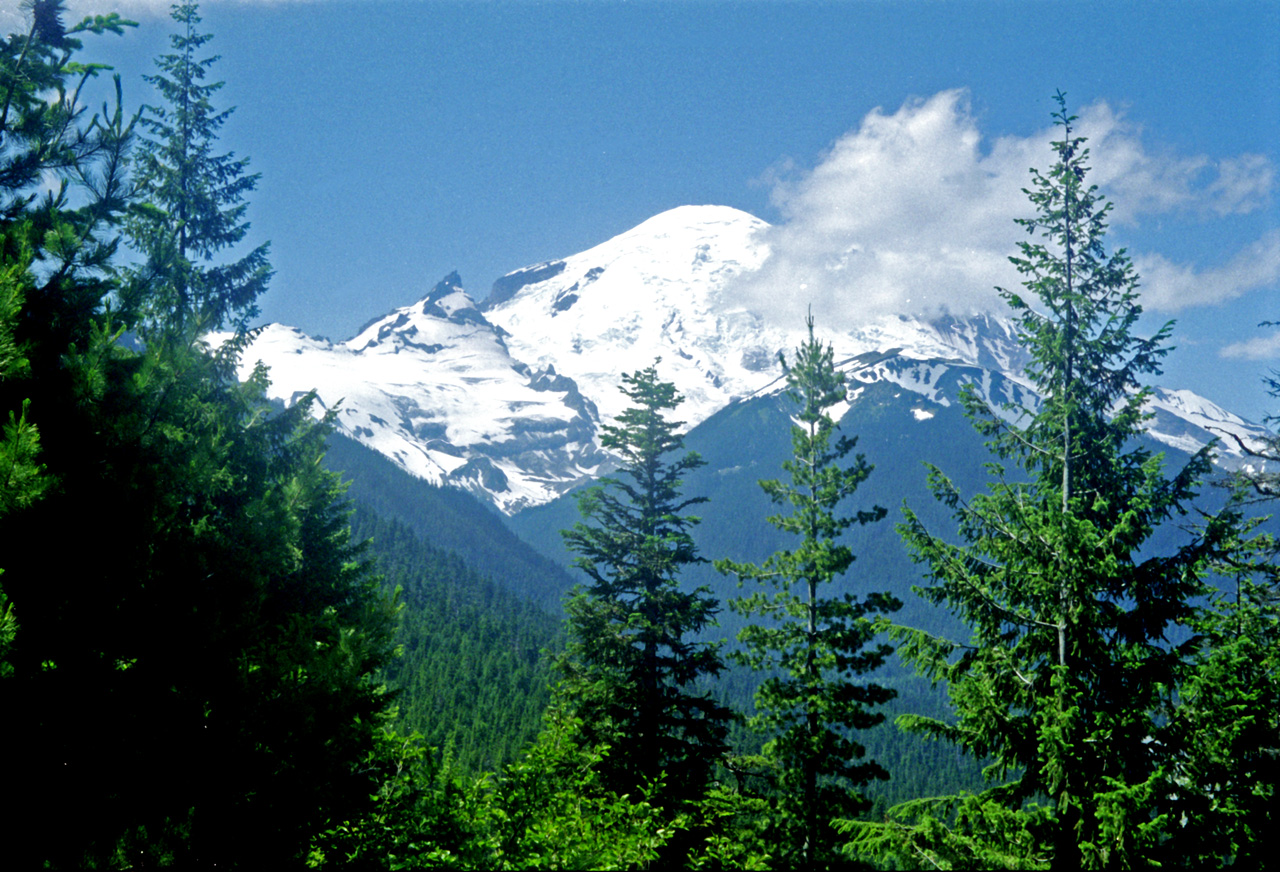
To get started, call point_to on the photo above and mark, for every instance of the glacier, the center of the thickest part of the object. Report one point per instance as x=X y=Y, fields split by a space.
x=506 y=397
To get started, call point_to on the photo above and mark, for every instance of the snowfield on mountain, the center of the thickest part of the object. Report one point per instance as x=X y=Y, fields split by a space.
x=506 y=398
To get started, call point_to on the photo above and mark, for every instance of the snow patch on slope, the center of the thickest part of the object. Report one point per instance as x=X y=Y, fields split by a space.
x=656 y=290
x=433 y=387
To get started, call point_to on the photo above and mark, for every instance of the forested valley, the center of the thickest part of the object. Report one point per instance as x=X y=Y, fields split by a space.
x=231 y=637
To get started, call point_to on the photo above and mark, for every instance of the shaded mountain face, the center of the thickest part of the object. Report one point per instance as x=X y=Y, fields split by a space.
x=506 y=399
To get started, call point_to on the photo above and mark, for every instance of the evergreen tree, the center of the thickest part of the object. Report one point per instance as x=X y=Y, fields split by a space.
x=1226 y=727
x=633 y=665
x=193 y=204
x=44 y=132
x=812 y=644
x=1227 y=723
x=1067 y=683
x=196 y=634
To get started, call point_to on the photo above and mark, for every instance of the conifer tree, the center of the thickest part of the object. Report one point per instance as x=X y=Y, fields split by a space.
x=812 y=644
x=191 y=664
x=633 y=664
x=44 y=133
x=192 y=207
x=1227 y=723
x=1067 y=682
x=1226 y=727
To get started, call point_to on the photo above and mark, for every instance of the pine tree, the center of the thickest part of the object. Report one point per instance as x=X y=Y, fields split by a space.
x=193 y=199
x=810 y=644
x=1068 y=680
x=633 y=665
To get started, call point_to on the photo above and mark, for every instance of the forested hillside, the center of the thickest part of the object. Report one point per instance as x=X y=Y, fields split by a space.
x=449 y=520
x=472 y=675
x=213 y=652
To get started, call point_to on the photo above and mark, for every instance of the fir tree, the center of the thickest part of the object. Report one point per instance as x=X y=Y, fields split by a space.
x=1226 y=727
x=192 y=207
x=195 y=633
x=811 y=644
x=633 y=665
x=1227 y=723
x=1068 y=680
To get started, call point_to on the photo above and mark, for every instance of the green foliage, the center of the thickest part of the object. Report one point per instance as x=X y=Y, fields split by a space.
x=553 y=810
x=953 y=832
x=632 y=666
x=1226 y=728
x=470 y=676
x=1068 y=680
x=44 y=132
x=810 y=645
x=233 y=610
x=196 y=647
x=192 y=201
x=424 y=815
x=21 y=474
x=546 y=810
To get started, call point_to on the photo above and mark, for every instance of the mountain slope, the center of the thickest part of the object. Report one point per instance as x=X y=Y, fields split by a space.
x=448 y=520
x=660 y=289
x=505 y=399
x=433 y=387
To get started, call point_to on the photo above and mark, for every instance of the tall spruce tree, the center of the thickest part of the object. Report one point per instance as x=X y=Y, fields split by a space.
x=195 y=632
x=1067 y=682
x=50 y=251
x=633 y=666
x=192 y=199
x=811 y=644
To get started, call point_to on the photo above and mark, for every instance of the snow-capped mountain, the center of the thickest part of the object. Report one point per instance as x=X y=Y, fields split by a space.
x=1180 y=419
x=665 y=289
x=433 y=387
x=506 y=398
x=658 y=290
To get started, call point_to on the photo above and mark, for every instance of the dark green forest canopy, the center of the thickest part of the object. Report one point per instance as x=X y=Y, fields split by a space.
x=200 y=635
x=197 y=655
x=471 y=676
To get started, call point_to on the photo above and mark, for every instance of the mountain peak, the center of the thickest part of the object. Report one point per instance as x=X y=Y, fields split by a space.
x=507 y=403
x=449 y=301
x=450 y=284
x=656 y=290
x=686 y=217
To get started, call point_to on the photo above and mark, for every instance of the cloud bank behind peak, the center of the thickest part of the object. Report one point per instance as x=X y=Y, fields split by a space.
x=912 y=213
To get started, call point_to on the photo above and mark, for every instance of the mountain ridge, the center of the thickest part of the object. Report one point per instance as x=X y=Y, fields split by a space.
x=505 y=398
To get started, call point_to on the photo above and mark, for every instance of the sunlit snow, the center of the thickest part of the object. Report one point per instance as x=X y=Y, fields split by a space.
x=507 y=400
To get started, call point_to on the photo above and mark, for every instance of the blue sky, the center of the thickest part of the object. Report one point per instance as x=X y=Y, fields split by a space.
x=886 y=142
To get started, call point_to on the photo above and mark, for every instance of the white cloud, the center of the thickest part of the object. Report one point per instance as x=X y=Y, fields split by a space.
x=1144 y=182
x=1171 y=286
x=1261 y=348
x=912 y=213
